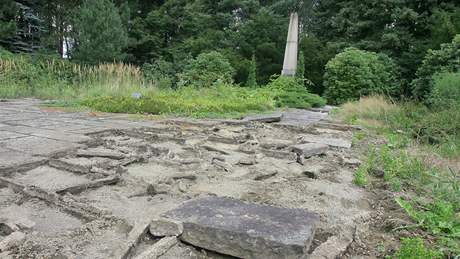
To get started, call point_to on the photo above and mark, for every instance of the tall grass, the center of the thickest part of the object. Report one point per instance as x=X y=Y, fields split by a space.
x=44 y=77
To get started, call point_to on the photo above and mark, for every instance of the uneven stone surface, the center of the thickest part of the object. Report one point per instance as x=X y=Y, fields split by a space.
x=71 y=206
x=245 y=230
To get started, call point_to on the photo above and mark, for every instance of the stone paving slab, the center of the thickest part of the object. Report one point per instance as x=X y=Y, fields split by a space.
x=49 y=179
x=245 y=230
x=38 y=146
x=15 y=160
x=4 y=135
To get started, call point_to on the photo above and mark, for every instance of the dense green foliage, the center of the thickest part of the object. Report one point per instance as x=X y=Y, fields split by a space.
x=355 y=73
x=206 y=70
x=446 y=59
x=446 y=91
x=7 y=22
x=403 y=29
x=290 y=92
x=99 y=32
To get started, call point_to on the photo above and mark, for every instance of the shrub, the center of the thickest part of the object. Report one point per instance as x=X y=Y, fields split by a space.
x=290 y=92
x=446 y=59
x=161 y=72
x=355 y=73
x=446 y=91
x=206 y=70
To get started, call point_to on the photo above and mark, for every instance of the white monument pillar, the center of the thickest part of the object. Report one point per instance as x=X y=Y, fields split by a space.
x=290 y=56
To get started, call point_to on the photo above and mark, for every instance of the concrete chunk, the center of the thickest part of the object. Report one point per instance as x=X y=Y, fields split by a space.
x=245 y=230
x=309 y=149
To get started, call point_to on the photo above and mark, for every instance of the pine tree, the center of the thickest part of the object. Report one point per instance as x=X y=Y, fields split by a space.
x=100 y=35
x=252 y=77
x=7 y=23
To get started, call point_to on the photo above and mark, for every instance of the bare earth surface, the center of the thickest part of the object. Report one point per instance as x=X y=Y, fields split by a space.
x=80 y=185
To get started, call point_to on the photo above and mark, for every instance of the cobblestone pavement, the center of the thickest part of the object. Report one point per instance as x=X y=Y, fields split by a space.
x=85 y=185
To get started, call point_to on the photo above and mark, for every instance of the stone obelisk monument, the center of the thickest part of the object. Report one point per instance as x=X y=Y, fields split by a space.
x=290 y=56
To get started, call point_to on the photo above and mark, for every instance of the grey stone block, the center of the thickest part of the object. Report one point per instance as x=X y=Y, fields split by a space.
x=269 y=118
x=309 y=149
x=245 y=230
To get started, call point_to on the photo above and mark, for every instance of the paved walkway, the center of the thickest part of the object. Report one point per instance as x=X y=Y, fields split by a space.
x=29 y=134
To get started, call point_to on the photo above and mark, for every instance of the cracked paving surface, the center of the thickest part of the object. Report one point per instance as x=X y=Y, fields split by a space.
x=85 y=186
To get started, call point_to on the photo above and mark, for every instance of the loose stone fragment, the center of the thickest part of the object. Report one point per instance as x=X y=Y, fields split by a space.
x=163 y=227
x=260 y=176
x=309 y=149
x=332 y=142
x=12 y=241
x=247 y=161
x=159 y=248
x=278 y=154
x=220 y=139
x=213 y=149
x=100 y=152
x=90 y=185
x=245 y=230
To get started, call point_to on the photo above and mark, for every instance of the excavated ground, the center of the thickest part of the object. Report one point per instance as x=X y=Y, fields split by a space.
x=77 y=185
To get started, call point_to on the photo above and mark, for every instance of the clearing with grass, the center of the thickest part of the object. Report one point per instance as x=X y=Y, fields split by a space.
x=229 y=129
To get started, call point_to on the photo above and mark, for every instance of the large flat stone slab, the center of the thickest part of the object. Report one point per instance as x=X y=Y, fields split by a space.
x=49 y=179
x=245 y=230
x=38 y=145
x=17 y=161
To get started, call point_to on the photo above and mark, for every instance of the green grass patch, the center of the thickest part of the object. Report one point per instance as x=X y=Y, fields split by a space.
x=218 y=101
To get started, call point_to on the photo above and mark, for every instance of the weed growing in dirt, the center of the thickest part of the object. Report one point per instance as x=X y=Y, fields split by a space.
x=431 y=193
x=414 y=248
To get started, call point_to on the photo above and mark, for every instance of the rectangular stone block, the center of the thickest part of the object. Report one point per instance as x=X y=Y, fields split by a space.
x=269 y=118
x=244 y=230
x=309 y=149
